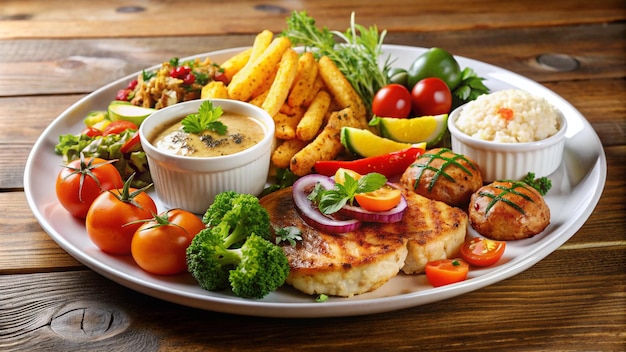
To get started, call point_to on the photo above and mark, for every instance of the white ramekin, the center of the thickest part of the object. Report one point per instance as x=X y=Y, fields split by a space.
x=509 y=161
x=191 y=183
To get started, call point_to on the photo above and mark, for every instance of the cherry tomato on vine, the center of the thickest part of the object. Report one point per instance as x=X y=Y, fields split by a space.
x=81 y=181
x=482 y=252
x=392 y=100
x=119 y=126
x=159 y=246
x=446 y=271
x=115 y=216
x=431 y=96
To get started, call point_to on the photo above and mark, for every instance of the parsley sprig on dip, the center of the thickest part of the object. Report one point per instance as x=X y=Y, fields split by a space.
x=206 y=119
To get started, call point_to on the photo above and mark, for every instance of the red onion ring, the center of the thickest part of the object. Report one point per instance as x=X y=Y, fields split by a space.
x=392 y=215
x=311 y=215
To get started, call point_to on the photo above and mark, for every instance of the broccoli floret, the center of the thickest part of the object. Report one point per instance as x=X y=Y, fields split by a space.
x=222 y=203
x=235 y=250
x=237 y=216
x=203 y=264
x=262 y=267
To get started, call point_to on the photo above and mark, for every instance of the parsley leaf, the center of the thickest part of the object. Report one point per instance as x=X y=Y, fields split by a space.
x=542 y=184
x=330 y=201
x=205 y=119
x=289 y=233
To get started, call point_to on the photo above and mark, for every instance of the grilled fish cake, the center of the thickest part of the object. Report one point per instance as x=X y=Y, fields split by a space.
x=339 y=265
x=363 y=260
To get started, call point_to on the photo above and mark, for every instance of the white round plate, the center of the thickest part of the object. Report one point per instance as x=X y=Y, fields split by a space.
x=577 y=186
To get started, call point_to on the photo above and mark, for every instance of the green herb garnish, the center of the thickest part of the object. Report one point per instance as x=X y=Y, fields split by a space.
x=542 y=184
x=205 y=120
x=329 y=201
x=290 y=234
x=471 y=86
x=321 y=298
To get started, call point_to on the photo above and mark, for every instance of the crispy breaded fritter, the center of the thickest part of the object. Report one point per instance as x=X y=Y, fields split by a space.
x=508 y=210
x=443 y=175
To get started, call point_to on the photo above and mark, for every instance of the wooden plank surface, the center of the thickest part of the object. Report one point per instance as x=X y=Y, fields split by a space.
x=117 y=18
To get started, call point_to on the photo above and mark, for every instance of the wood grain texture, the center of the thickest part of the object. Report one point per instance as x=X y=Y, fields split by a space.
x=102 y=19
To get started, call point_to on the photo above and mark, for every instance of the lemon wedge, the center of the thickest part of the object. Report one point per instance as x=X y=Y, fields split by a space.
x=429 y=129
x=365 y=144
x=128 y=112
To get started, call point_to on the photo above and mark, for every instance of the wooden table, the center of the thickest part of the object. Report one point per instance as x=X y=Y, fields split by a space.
x=52 y=53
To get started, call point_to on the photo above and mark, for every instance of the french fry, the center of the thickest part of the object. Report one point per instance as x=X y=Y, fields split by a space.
x=246 y=81
x=341 y=89
x=307 y=72
x=327 y=145
x=318 y=84
x=286 y=124
x=281 y=157
x=214 y=89
x=261 y=42
x=235 y=63
x=313 y=117
x=265 y=85
x=259 y=99
x=285 y=76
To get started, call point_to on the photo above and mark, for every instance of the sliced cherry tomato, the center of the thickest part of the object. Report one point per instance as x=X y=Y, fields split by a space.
x=482 y=252
x=392 y=100
x=116 y=127
x=389 y=164
x=91 y=132
x=431 y=96
x=131 y=144
x=81 y=181
x=446 y=271
x=115 y=216
x=159 y=246
x=382 y=199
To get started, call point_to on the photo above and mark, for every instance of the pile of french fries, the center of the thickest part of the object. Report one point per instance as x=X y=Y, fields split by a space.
x=310 y=100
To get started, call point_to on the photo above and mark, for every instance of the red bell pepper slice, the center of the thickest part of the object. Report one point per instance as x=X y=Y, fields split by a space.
x=388 y=164
x=130 y=144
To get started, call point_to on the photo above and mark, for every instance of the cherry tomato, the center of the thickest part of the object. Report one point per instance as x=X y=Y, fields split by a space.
x=159 y=246
x=116 y=127
x=431 y=96
x=115 y=216
x=382 y=199
x=482 y=252
x=91 y=132
x=81 y=181
x=446 y=271
x=392 y=100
